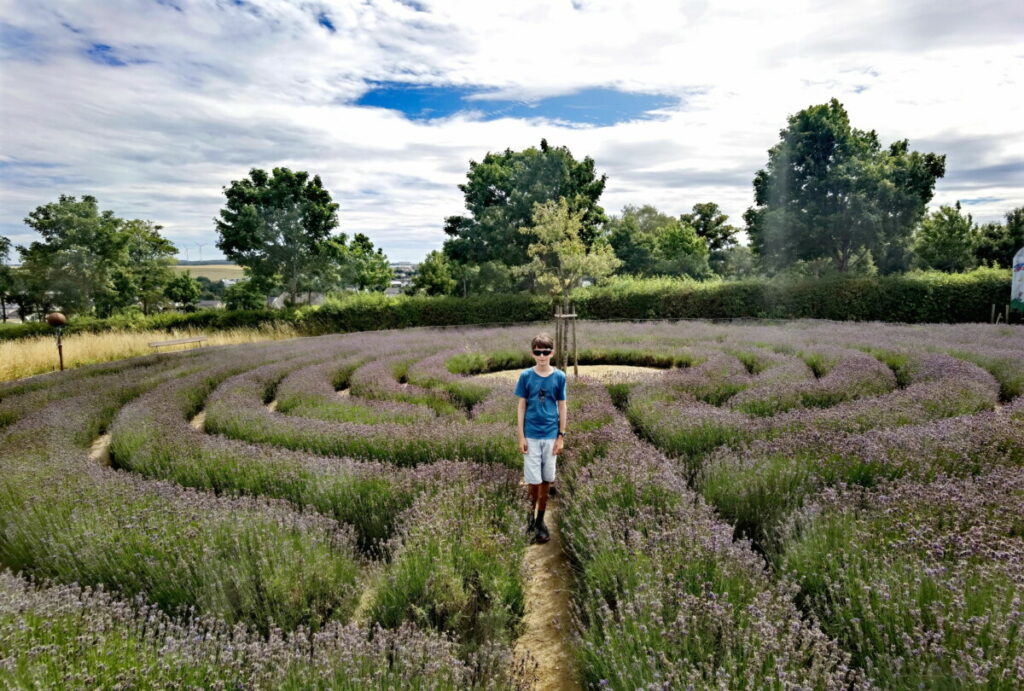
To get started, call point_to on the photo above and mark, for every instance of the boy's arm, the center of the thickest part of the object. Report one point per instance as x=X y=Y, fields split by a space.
x=563 y=414
x=520 y=421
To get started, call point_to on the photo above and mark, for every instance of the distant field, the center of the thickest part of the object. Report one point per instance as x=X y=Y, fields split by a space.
x=214 y=272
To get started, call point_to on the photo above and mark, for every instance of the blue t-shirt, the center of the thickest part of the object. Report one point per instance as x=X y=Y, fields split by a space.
x=542 y=395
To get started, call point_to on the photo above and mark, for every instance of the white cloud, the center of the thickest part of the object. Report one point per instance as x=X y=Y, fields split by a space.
x=223 y=87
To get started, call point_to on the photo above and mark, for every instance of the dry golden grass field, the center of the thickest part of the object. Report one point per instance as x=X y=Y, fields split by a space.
x=28 y=356
x=214 y=272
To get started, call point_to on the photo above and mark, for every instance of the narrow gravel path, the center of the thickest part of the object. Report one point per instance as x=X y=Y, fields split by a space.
x=547 y=623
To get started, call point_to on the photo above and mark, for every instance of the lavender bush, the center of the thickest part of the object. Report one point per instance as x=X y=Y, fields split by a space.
x=350 y=515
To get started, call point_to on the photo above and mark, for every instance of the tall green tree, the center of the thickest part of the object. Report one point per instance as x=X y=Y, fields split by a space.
x=245 y=295
x=946 y=240
x=184 y=290
x=998 y=243
x=80 y=250
x=277 y=225
x=6 y=276
x=146 y=271
x=500 y=193
x=681 y=251
x=633 y=236
x=649 y=242
x=330 y=269
x=433 y=276
x=712 y=225
x=370 y=269
x=832 y=191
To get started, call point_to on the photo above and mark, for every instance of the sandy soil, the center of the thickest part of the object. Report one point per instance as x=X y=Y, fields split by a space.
x=272 y=405
x=602 y=372
x=547 y=622
x=100 y=450
x=199 y=421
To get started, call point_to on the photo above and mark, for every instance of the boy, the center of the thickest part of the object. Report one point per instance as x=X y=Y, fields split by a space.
x=541 y=419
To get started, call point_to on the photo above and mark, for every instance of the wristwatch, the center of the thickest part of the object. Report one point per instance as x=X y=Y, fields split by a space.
x=561 y=434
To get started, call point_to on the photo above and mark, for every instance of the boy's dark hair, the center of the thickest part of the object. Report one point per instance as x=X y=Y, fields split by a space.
x=542 y=340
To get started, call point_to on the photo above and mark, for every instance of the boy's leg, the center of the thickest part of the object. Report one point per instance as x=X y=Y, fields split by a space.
x=533 y=491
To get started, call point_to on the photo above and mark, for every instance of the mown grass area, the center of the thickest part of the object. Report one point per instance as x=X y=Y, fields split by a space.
x=30 y=356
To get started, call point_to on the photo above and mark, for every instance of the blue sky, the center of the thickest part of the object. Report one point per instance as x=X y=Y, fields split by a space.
x=153 y=106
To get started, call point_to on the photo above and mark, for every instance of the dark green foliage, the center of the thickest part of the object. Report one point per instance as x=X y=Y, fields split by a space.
x=832 y=192
x=278 y=225
x=998 y=243
x=945 y=240
x=244 y=295
x=500 y=192
x=434 y=276
x=184 y=290
x=913 y=298
x=90 y=262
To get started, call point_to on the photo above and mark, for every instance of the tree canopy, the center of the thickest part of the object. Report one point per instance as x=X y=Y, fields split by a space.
x=500 y=193
x=277 y=225
x=90 y=261
x=945 y=240
x=433 y=276
x=998 y=243
x=370 y=269
x=649 y=243
x=560 y=259
x=831 y=191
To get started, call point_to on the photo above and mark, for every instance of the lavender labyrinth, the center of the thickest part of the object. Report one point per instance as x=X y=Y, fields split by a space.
x=770 y=506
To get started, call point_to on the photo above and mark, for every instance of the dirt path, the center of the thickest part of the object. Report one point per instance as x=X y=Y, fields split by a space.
x=100 y=449
x=547 y=622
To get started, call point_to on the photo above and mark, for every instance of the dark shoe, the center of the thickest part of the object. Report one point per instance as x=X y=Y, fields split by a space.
x=531 y=524
x=542 y=533
x=552 y=491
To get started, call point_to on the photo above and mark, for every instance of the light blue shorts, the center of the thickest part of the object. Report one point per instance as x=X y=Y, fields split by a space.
x=539 y=461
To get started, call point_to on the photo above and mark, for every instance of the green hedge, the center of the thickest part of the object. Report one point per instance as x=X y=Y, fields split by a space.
x=927 y=297
x=203 y=319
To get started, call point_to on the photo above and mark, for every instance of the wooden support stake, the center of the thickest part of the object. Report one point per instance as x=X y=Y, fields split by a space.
x=575 y=355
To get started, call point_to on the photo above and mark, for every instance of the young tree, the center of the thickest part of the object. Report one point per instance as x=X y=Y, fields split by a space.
x=500 y=193
x=560 y=259
x=945 y=240
x=276 y=225
x=998 y=243
x=831 y=191
x=184 y=291
x=433 y=276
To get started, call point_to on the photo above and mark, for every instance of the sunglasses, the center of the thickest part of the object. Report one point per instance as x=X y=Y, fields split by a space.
x=542 y=352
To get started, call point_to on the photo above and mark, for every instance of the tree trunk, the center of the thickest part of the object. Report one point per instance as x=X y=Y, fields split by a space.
x=3 y=309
